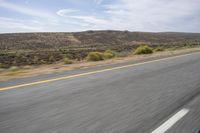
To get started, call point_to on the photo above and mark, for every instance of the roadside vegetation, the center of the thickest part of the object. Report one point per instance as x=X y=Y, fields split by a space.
x=95 y=56
x=145 y=49
x=159 y=49
x=36 y=49
x=14 y=61
x=98 y=56
x=70 y=64
x=14 y=69
x=67 y=61
x=109 y=54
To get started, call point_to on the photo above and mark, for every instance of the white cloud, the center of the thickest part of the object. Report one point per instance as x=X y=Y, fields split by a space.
x=65 y=12
x=8 y=25
x=19 y=25
x=134 y=15
x=152 y=15
x=98 y=1
x=90 y=19
x=78 y=18
x=25 y=10
x=143 y=15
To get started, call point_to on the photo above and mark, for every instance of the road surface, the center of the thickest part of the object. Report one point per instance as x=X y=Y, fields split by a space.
x=152 y=97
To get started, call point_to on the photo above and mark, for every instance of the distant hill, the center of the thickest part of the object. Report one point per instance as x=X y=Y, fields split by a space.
x=44 y=48
x=92 y=39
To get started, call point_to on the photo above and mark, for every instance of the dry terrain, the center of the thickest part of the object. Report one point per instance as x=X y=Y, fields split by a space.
x=19 y=49
x=27 y=71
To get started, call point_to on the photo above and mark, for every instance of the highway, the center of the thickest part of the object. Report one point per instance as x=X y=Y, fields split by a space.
x=150 y=96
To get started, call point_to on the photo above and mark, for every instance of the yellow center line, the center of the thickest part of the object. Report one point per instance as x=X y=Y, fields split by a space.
x=90 y=73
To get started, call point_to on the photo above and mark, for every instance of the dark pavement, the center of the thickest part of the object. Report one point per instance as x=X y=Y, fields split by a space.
x=130 y=100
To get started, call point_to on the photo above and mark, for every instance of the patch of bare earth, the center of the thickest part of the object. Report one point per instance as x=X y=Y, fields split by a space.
x=60 y=67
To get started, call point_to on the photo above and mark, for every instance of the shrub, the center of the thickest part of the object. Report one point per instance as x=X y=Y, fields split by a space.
x=27 y=67
x=145 y=49
x=13 y=69
x=111 y=52
x=43 y=61
x=67 y=61
x=35 y=59
x=108 y=54
x=69 y=56
x=52 y=59
x=159 y=49
x=124 y=54
x=95 y=56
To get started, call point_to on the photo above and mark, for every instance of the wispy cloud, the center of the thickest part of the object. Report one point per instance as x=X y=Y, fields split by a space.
x=143 y=15
x=65 y=12
x=98 y=1
x=154 y=15
x=25 y=10
x=91 y=19
x=75 y=15
x=19 y=25
x=134 y=15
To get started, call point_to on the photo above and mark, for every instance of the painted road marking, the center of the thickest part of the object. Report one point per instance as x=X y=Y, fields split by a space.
x=89 y=73
x=171 y=121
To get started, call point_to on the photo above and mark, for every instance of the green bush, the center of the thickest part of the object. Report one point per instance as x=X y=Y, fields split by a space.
x=111 y=52
x=67 y=61
x=13 y=69
x=145 y=49
x=95 y=56
x=108 y=54
x=159 y=49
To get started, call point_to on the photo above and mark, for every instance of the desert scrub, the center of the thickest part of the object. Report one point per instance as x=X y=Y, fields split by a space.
x=108 y=54
x=67 y=61
x=35 y=59
x=52 y=59
x=159 y=49
x=145 y=49
x=124 y=54
x=13 y=69
x=95 y=56
x=27 y=67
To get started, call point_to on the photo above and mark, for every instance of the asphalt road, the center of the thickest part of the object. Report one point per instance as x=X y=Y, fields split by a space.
x=136 y=99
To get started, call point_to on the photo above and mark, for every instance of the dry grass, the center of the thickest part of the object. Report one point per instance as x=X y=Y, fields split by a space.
x=60 y=67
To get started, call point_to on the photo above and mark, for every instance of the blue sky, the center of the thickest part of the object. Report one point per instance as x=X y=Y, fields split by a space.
x=81 y=15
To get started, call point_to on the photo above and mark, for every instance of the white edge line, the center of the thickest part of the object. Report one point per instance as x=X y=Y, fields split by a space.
x=171 y=121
